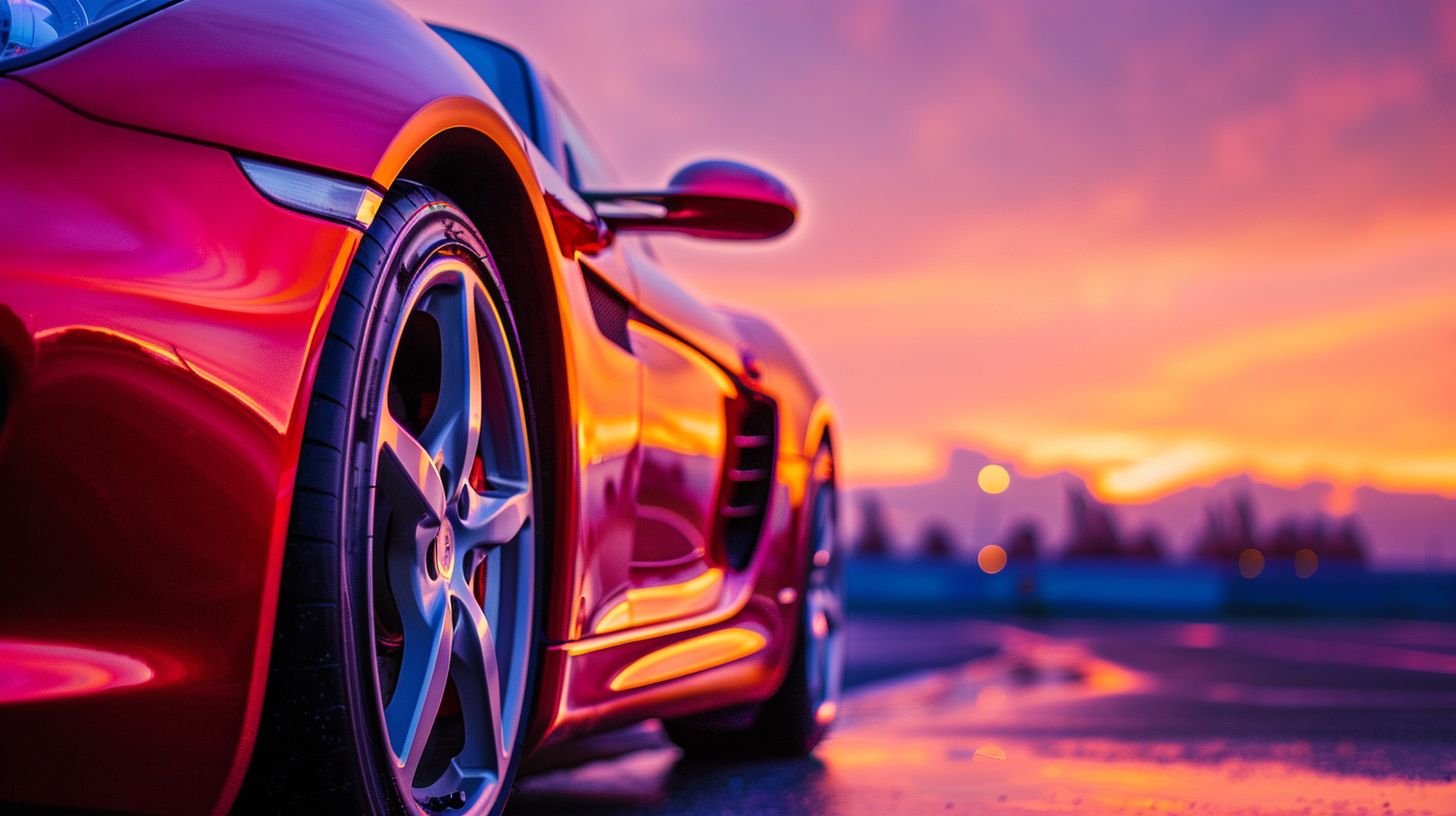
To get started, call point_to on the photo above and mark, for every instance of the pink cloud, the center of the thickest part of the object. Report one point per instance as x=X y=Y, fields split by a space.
x=1017 y=213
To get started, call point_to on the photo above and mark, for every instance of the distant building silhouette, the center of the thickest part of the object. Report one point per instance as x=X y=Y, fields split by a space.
x=937 y=541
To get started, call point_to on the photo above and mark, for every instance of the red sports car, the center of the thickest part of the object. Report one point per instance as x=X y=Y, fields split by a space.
x=354 y=445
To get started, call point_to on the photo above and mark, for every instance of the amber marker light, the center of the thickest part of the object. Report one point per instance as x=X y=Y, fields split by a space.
x=351 y=202
x=368 y=208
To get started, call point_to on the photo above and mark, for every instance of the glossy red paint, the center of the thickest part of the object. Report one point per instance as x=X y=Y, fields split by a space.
x=160 y=324
x=350 y=81
x=47 y=671
x=711 y=199
x=171 y=318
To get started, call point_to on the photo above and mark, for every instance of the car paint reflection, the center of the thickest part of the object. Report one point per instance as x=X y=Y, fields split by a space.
x=31 y=671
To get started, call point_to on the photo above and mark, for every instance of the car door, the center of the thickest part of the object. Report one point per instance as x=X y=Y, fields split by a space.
x=608 y=385
x=673 y=568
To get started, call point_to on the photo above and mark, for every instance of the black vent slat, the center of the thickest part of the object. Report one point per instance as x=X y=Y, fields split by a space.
x=610 y=309
x=748 y=478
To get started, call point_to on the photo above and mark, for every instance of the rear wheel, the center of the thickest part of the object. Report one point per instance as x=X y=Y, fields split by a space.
x=796 y=718
x=407 y=624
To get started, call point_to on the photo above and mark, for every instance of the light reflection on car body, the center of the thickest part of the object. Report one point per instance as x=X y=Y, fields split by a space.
x=168 y=321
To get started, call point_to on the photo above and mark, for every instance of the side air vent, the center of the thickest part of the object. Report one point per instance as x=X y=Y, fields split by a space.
x=749 y=478
x=610 y=309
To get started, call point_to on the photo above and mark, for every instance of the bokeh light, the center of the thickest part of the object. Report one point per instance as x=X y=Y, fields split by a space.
x=993 y=479
x=1306 y=561
x=1251 y=563
x=991 y=558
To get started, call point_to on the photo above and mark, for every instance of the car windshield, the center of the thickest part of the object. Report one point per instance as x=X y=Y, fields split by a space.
x=502 y=69
x=30 y=26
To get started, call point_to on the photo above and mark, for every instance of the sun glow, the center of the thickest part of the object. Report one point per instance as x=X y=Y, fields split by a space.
x=1251 y=276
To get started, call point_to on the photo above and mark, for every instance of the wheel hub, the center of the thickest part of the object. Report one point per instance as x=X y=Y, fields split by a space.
x=445 y=552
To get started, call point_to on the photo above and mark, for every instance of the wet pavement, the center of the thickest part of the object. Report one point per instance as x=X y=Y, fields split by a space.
x=1089 y=717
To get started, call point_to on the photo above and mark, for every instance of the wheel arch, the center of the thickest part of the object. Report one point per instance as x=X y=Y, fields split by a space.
x=472 y=170
x=822 y=431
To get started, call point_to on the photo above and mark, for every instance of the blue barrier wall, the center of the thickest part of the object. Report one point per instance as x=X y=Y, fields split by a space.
x=1133 y=588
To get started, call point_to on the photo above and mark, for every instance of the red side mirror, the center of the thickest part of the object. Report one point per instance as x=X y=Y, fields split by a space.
x=707 y=199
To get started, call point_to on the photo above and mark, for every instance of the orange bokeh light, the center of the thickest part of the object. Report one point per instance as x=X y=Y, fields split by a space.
x=991 y=558
x=1306 y=561
x=1251 y=563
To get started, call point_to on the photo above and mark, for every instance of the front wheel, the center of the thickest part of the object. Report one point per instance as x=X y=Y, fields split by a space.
x=796 y=718
x=407 y=628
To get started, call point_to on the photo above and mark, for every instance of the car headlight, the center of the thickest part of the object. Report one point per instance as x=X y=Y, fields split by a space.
x=31 y=30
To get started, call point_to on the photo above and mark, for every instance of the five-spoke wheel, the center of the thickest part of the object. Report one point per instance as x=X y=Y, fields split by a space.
x=453 y=550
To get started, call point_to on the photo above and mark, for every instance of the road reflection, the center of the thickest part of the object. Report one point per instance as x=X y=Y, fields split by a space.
x=661 y=780
x=1099 y=718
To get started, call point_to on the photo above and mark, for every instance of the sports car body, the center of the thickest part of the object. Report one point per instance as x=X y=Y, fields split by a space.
x=354 y=445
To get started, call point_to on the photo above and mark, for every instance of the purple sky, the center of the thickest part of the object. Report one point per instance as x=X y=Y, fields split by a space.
x=1151 y=243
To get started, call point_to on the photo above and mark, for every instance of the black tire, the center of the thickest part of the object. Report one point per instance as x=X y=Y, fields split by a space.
x=796 y=718
x=323 y=745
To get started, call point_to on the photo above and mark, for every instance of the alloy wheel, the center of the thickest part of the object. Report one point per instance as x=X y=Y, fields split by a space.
x=453 y=547
x=824 y=610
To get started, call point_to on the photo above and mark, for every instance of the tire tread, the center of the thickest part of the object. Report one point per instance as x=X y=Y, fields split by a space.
x=304 y=760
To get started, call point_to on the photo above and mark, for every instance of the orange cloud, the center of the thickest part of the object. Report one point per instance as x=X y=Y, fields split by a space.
x=1155 y=244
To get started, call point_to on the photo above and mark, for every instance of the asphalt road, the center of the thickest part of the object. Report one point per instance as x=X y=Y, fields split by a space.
x=1087 y=717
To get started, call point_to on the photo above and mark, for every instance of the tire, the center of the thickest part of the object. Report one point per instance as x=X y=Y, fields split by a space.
x=411 y=565
x=796 y=718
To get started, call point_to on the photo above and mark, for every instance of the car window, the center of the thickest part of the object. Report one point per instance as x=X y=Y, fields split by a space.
x=503 y=70
x=585 y=169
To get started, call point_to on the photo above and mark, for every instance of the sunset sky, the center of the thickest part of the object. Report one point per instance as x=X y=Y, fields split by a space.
x=1152 y=243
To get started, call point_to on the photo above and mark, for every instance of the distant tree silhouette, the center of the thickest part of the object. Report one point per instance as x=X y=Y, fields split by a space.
x=1335 y=541
x=1023 y=543
x=1313 y=534
x=1345 y=543
x=1286 y=539
x=1094 y=531
x=1228 y=530
x=937 y=541
x=874 y=537
x=1147 y=545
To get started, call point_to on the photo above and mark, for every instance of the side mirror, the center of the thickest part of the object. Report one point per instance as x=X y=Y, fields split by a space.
x=707 y=199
